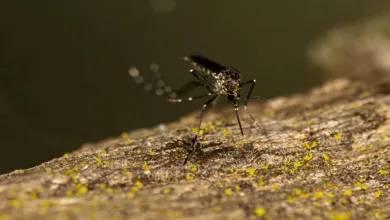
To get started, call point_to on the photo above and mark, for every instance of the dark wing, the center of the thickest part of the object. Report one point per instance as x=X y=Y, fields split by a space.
x=204 y=65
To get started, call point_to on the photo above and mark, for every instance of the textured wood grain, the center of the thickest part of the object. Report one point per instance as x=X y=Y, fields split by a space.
x=326 y=155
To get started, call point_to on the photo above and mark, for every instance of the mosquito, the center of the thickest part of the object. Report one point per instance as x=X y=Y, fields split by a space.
x=217 y=79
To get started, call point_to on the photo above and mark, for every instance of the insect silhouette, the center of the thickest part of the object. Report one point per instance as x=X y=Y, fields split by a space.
x=224 y=81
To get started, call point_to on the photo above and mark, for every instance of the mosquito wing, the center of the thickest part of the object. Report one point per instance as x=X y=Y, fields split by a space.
x=204 y=65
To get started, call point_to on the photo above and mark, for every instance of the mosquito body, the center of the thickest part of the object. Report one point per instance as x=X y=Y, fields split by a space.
x=217 y=79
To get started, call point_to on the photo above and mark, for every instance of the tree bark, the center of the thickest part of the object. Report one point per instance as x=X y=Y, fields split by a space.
x=325 y=155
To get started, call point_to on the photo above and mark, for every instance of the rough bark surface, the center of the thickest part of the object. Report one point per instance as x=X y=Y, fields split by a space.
x=326 y=155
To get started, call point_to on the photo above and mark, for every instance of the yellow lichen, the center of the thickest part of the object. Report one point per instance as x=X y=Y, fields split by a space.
x=68 y=193
x=338 y=136
x=126 y=171
x=309 y=146
x=98 y=161
x=330 y=195
x=33 y=194
x=219 y=184
x=66 y=155
x=297 y=192
x=195 y=130
x=16 y=203
x=226 y=132
x=166 y=190
x=260 y=211
x=361 y=186
x=383 y=172
x=328 y=185
x=291 y=199
x=217 y=122
x=297 y=164
x=229 y=191
x=216 y=208
x=129 y=140
x=190 y=176
x=103 y=152
x=130 y=195
x=146 y=167
x=356 y=105
x=251 y=171
x=261 y=181
x=304 y=195
x=175 y=214
x=194 y=169
x=238 y=144
x=237 y=187
x=108 y=190
x=139 y=184
x=209 y=127
x=340 y=216
x=81 y=189
x=151 y=152
x=326 y=159
x=308 y=157
x=318 y=195
x=348 y=192
x=377 y=194
x=233 y=170
x=138 y=151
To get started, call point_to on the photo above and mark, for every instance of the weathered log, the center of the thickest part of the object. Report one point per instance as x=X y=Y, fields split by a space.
x=326 y=155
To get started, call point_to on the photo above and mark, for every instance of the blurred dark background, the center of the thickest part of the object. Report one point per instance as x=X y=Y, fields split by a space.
x=63 y=64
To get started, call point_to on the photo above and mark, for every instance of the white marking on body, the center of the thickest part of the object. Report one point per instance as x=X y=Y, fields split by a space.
x=189 y=98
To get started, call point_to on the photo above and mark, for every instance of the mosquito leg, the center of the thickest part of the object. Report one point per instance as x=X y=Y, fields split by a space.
x=252 y=83
x=157 y=86
x=202 y=80
x=238 y=118
x=197 y=132
x=191 y=98
x=187 y=88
